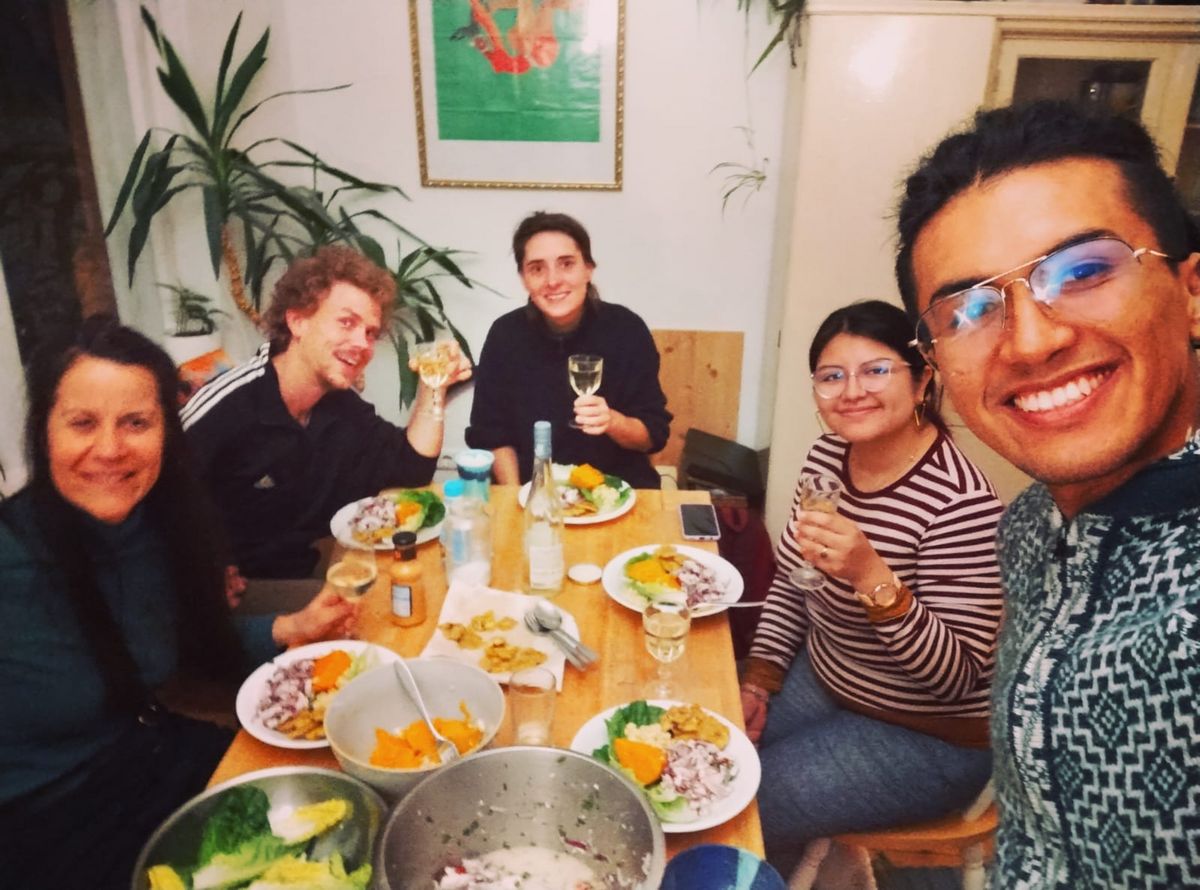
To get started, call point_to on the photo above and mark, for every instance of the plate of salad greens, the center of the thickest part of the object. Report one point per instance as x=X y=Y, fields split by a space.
x=674 y=573
x=283 y=702
x=371 y=522
x=270 y=831
x=588 y=496
x=696 y=768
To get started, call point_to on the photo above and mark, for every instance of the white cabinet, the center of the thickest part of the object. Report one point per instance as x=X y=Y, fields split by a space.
x=878 y=85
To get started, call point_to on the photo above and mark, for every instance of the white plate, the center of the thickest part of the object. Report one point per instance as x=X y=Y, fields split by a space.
x=339 y=527
x=561 y=473
x=594 y=734
x=255 y=687
x=617 y=586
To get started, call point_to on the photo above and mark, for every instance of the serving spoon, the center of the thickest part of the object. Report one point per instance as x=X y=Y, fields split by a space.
x=447 y=750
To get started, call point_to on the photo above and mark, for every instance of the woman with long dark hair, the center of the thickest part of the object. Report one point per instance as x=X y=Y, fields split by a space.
x=869 y=684
x=112 y=603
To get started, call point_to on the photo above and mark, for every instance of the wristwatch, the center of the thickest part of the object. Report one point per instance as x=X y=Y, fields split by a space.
x=881 y=596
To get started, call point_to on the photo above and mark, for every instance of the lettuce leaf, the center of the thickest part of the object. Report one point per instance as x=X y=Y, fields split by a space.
x=669 y=806
x=240 y=816
x=435 y=510
x=297 y=873
x=639 y=713
x=245 y=863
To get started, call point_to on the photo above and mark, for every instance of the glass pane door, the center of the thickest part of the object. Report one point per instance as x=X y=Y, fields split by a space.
x=1101 y=84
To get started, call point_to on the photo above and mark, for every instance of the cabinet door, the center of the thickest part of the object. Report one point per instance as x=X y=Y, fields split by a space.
x=1151 y=80
x=1187 y=171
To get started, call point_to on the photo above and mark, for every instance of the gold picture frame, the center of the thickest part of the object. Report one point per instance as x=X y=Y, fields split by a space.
x=533 y=93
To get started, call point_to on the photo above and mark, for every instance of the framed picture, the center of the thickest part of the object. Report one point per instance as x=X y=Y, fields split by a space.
x=519 y=93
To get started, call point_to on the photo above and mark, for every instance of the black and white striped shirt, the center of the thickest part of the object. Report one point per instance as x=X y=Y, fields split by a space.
x=936 y=528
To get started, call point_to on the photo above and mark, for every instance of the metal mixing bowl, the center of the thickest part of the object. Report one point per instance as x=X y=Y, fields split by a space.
x=375 y=700
x=178 y=839
x=525 y=796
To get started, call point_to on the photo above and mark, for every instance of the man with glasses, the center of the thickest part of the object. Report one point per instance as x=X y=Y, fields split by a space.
x=1052 y=274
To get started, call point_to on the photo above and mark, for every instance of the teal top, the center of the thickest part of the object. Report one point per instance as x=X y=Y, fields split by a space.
x=55 y=719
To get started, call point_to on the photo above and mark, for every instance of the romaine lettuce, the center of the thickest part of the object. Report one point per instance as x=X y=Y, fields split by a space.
x=245 y=863
x=294 y=872
x=239 y=816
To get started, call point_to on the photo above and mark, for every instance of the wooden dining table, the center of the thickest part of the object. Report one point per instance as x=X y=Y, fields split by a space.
x=706 y=674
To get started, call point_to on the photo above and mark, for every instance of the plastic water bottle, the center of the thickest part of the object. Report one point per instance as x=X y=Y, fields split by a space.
x=467 y=537
x=543 y=521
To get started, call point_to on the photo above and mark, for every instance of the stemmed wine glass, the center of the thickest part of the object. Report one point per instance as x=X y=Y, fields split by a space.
x=434 y=362
x=353 y=574
x=819 y=493
x=666 y=625
x=584 y=372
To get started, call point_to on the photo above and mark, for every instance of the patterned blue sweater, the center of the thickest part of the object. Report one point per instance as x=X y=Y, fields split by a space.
x=1094 y=726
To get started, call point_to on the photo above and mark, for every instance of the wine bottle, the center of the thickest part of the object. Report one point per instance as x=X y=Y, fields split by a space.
x=543 y=521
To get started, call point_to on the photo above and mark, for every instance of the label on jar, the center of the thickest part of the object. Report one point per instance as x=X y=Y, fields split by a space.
x=402 y=600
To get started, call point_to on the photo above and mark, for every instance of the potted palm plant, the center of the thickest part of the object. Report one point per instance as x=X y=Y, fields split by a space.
x=252 y=219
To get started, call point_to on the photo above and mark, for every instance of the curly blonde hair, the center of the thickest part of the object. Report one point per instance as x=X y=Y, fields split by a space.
x=307 y=282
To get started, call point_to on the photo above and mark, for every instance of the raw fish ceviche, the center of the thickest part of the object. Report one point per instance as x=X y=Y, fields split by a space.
x=585 y=491
x=247 y=843
x=675 y=754
x=667 y=574
x=380 y=517
x=298 y=693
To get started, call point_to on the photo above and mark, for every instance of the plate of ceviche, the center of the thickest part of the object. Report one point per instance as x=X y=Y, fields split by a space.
x=371 y=522
x=283 y=702
x=696 y=768
x=588 y=496
x=675 y=573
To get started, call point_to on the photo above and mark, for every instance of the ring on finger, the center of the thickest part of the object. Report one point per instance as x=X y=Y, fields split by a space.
x=824 y=552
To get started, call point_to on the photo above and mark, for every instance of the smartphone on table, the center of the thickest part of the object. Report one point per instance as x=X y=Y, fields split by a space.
x=699 y=522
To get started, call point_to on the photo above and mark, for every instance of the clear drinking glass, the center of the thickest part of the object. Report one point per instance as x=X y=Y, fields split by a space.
x=353 y=574
x=819 y=493
x=666 y=626
x=434 y=363
x=531 y=696
x=585 y=373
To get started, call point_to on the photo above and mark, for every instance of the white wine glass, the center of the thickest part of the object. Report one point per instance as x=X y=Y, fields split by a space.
x=819 y=493
x=666 y=625
x=353 y=574
x=585 y=373
x=435 y=359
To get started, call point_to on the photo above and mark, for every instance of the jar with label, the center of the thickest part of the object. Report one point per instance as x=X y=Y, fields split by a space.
x=467 y=537
x=408 y=588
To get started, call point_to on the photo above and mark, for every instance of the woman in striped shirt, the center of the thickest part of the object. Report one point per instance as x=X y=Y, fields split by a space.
x=870 y=692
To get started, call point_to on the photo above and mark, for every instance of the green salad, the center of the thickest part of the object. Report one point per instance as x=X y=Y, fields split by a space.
x=247 y=844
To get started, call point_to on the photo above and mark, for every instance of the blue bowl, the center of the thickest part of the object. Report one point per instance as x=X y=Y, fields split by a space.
x=720 y=867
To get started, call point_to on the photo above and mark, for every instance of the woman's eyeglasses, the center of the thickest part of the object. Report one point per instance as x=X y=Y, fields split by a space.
x=829 y=381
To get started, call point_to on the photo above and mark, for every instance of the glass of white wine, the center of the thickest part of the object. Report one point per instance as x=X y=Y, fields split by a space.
x=819 y=493
x=353 y=574
x=435 y=360
x=666 y=625
x=585 y=373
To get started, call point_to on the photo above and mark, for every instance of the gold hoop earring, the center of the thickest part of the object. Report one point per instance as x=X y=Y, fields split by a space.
x=919 y=414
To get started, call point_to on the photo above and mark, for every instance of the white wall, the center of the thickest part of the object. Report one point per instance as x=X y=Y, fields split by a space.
x=662 y=245
x=12 y=401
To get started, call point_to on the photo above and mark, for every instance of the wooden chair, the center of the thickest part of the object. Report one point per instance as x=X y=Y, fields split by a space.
x=701 y=373
x=963 y=841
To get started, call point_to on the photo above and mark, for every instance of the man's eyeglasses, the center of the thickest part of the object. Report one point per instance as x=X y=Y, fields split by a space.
x=1081 y=281
x=829 y=381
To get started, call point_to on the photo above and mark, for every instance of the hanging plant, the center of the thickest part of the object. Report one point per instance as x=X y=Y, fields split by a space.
x=789 y=13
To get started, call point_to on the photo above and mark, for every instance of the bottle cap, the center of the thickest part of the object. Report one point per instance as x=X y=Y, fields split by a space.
x=401 y=540
x=541 y=437
x=453 y=488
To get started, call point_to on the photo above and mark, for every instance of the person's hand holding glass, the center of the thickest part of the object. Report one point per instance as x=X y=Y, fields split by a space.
x=585 y=373
x=436 y=363
x=666 y=625
x=820 y=494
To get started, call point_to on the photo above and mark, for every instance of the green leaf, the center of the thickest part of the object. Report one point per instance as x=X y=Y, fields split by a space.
x=178 y=86
x=226 y=57
x=214 y=222
x=127 y=185
x=253 y=108
x=239 y=83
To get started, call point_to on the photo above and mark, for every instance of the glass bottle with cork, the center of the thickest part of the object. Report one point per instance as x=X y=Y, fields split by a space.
x=408 y=587
x=543 y=521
